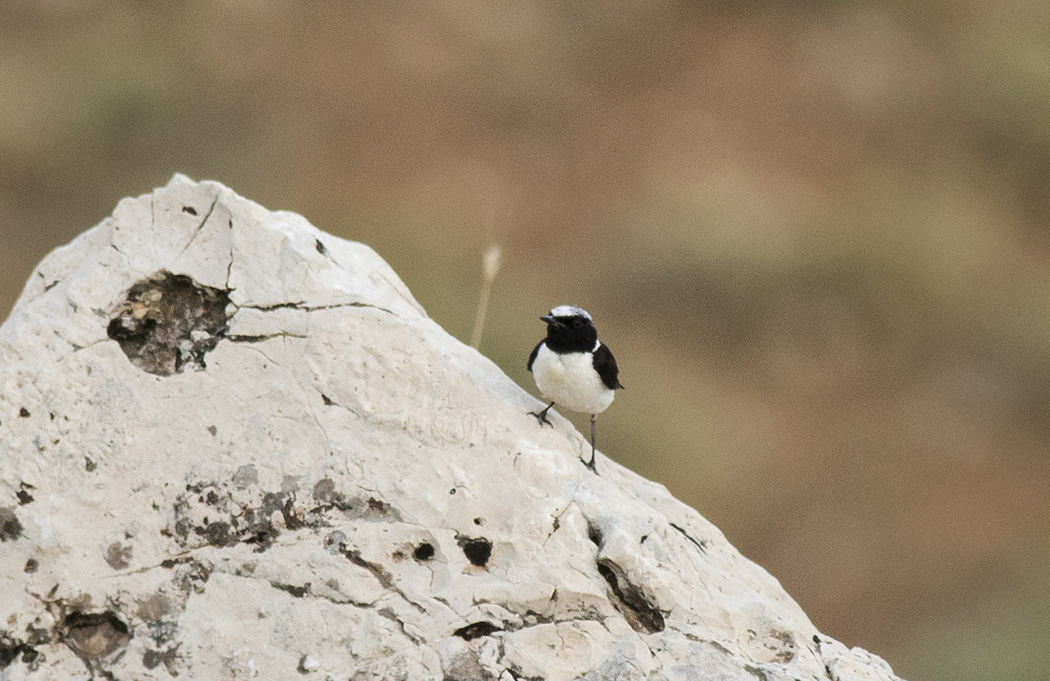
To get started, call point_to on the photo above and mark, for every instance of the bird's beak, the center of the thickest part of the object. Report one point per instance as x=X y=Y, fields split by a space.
x=551 y=321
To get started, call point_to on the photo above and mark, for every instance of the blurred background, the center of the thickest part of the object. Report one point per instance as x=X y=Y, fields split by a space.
x=815 y=234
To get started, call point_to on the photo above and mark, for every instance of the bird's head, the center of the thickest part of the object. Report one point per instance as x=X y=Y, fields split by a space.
x=570 y=329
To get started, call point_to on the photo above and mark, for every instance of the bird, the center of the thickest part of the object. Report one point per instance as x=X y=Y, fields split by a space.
x=573 y=368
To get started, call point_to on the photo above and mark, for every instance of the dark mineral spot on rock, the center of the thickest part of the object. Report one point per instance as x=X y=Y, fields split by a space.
x=169 y=322
x=324 y=490
x=152 y=608
x=479 y=521
x=31 y=566
x=89 y=465
x=118 y=555
x=217 y=534
x=246 y=476
x=630 y=601
x=94 y=636
x=151 y=659
x=24 y=413
x=189 y=209
x=10 y=526
x=477 y=551
x=423 y=552
x=320 y=247
x=24 y=497
x=213 y=430
x=788 y=647
x=295 y=591
x=476 y=630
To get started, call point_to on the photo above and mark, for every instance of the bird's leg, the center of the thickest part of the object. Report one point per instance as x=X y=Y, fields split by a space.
x=590 y=464
x=541 y=416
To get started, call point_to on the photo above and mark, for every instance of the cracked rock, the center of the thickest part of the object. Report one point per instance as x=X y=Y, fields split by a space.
x=233 y=446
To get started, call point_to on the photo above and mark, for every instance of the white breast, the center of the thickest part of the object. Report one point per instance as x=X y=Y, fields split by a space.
x=571 y=381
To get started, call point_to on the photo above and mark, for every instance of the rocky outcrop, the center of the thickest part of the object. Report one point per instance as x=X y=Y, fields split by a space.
x=233 y=446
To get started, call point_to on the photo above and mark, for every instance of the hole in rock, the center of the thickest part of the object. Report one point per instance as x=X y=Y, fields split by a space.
x=630 y=601
x=476 y=630
x=423 y=552
x=477 y=551
x=594 y=534
x=189 y=209
x=24 y=413
x=169 y=322
x=93 y=636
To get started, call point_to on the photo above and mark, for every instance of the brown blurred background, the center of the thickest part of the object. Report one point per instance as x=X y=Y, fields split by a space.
x=815 y=234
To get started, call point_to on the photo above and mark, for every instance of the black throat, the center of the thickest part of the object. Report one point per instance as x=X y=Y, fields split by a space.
x=569 y=338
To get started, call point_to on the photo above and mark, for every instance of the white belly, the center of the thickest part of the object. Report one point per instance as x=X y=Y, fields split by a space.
x=570 y=381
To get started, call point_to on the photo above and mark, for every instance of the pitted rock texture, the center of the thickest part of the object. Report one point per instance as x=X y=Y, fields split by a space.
x=235 y=447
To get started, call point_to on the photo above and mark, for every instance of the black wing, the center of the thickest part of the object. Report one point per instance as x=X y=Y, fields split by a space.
x=605 y=365
x=532 y=357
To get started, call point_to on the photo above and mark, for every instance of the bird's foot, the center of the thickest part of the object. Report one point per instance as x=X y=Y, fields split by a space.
x=541 y=416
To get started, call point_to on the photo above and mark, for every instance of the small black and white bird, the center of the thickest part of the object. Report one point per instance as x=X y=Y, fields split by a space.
x=572 y=368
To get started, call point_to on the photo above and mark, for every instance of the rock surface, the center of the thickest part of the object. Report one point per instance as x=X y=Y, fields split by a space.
x=234 y=447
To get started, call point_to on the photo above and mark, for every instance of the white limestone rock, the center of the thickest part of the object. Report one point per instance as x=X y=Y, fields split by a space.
x=234 y=447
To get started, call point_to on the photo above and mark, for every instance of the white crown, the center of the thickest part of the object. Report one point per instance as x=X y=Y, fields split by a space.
x=570 y=311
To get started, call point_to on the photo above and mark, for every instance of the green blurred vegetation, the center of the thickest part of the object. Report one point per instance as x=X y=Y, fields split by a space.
x=816 y=235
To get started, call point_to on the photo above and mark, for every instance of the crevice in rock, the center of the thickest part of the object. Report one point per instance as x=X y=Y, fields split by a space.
x=192 y=211
x=820 y=652
x=169 y=322
x=476 y=630
x=392 y=616
x=700 y=544
x=386 y=580
x=295 y=591
x=629 y=600
x=261 y=337
x=305 y=307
